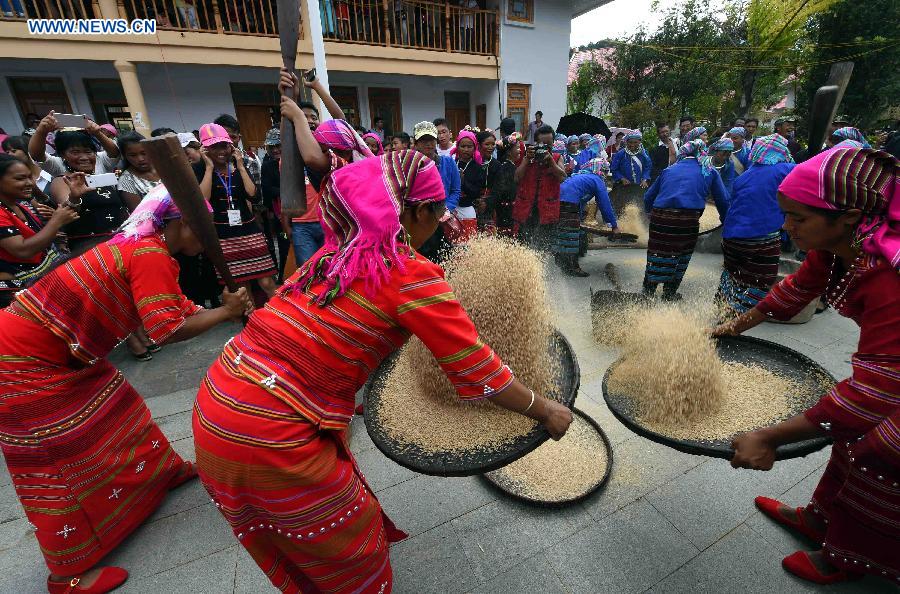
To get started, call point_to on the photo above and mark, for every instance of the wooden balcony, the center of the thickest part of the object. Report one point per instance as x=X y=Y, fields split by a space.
x=415 y=24
x=20 y=10
x=230 y=17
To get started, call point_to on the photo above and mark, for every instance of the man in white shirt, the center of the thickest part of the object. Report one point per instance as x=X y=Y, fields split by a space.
x=445 y=137
x=107 y=159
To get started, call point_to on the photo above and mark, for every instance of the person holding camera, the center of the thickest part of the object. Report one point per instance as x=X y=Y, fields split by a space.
x=539 y=175
x=105 y=161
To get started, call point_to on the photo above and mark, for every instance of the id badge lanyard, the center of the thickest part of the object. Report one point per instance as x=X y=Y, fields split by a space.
x=234 y=214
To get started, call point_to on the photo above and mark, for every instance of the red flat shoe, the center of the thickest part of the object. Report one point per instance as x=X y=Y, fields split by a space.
x=109 y=579
x=360 y=409
x=770 y=507
x=187 y=472
x=802 y=566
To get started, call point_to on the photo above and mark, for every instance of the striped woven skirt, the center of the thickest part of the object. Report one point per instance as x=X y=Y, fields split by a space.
x=568 y=231
x=293 y=494
x=673 y=236
x=750 y=270
x=86 y=460
x=248 y=257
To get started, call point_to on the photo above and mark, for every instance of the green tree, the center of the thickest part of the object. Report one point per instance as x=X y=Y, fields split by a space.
x=584 y=89
x=867 y=33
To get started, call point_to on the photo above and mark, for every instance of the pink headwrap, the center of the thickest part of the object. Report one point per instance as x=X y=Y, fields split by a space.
x=374 y=137
x=149 y=217
x=844 y=178
x=2 y=138
x=338 y=134
x=471 y=136
x=110 y=128
x=360 y=209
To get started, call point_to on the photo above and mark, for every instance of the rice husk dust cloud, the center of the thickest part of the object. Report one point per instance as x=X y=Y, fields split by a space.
x=501 y=285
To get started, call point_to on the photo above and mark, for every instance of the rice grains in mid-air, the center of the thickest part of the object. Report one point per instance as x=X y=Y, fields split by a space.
x=709 y=220
x=634 y=221
x=501 y=285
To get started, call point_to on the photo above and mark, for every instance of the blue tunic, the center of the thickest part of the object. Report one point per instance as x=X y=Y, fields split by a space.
x=683 y=185
x=728 y=174
x=450 y=176
x=623 y=166
x=580 y=189
x=753 y=211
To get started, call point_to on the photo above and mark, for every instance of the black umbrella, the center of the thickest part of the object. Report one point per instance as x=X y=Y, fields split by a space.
x=582 y=123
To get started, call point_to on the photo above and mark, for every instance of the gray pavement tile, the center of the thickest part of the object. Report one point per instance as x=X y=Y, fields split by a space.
x=711 y=499
x=185 y=448
x=499 y=535
x=424 y=502
x=742 y=562
x=628 y=551
x=5 y=479
x=639 y=466
x=167 y=543
x=615 y=431
x=214 y=573
x=10 y=508
x=248 y=577
x=532 y=576
x=188 y=496
x=380 y=471
x=432 y=563
x=359 y=437
x=22 y=568
x=16 y=533
x=177 y=426
x=171 y=404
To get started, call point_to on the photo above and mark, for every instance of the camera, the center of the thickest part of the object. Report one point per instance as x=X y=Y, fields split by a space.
x=541 y=152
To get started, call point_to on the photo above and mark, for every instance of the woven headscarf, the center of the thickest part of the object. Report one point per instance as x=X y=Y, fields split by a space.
x=634 y=134
x=596 y=166
x=150 y=216
x=584 y=137
x=723 y=144
x=771 y=149
x=597 y=144
x=850 y=144
x=851 y=133
x=338 y=134
x=559 y=147
x=377 y=140
x=696 y=149
x=360 y=210
x=694 y=134
x=845 y=178
x=572 y=138
x=738 y=131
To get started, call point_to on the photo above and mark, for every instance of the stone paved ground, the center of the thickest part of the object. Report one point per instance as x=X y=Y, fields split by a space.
x=666 y=522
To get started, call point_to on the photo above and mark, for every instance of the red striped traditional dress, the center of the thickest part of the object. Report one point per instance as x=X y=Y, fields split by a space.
x=88 y=463
x=269 y=420
x=859 y=494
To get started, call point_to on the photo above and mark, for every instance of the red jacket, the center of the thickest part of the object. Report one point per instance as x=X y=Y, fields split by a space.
x=539 y=184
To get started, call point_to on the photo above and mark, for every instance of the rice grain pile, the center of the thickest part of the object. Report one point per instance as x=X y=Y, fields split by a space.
x=710 y=218
x=681 y=388
x=501 y=285
x=558 y=470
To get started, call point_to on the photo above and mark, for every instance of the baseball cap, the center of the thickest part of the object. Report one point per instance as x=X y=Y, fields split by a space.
x=273 y=137
x=423 y=129
x=784 y=119
x=211 y=134
x=186 y=138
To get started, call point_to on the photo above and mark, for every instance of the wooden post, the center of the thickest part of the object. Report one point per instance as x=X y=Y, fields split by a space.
x=447 y=24
x=217 y=18
x=387 y=16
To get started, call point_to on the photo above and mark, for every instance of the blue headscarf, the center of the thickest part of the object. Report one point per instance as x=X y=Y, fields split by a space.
x=696 y=149
x=694 y=134
x=851 y=133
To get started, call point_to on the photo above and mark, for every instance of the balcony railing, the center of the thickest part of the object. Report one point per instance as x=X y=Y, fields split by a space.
x=232 y=17
x=19 y=10
x=417 y=24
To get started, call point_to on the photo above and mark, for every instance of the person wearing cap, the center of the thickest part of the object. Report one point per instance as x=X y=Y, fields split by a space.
x=226 y=184
x=191 y=146
x=426 y=136
x=787 y=127
x=841 y=208
x=109 y=130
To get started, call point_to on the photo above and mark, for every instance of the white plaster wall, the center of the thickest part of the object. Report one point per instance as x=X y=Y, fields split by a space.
x=538 y=55
x=421 y=97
